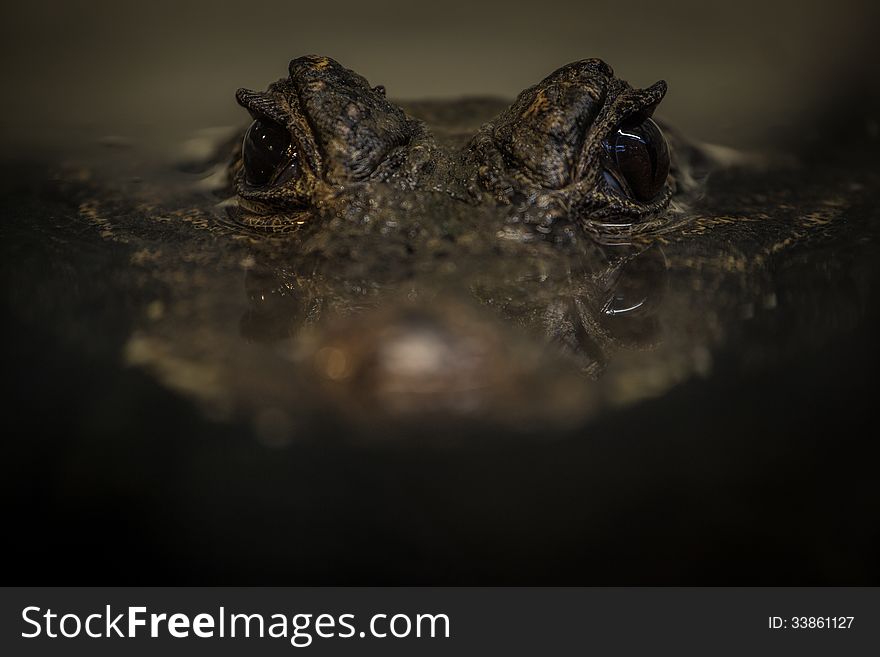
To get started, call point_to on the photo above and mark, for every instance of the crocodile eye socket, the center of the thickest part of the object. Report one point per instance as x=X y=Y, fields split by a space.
x=266 y=148
x=638 y=158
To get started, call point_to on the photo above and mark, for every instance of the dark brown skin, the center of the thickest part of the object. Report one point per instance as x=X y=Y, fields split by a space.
x=548 y=146
x=527 y=263
x=344 y=132
x=392 y=218
x=548 y=150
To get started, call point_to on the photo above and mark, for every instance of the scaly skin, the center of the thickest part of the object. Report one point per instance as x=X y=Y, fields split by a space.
x=464 y=259
x=545 y=149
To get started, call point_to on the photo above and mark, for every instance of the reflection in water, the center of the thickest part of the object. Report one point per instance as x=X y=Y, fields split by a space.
x=613 y=303
x=634 y=288
x=619 y=307
x=275 y=306
x=385 y=310
x=404 y=347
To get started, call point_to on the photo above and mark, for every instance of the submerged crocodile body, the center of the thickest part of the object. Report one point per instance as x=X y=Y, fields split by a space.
x=527 y=264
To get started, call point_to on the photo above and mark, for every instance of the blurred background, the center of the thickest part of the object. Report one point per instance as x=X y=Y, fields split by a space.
x=737 y=71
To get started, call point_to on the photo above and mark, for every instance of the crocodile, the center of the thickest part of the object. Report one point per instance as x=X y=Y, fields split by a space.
x=475 y=340
x=526 y=264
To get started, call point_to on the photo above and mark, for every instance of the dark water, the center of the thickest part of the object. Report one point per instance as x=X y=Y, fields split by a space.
x=152 y=436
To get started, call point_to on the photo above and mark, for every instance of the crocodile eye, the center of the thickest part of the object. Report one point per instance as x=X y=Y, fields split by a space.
x=638 y=158
x=266 y=148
